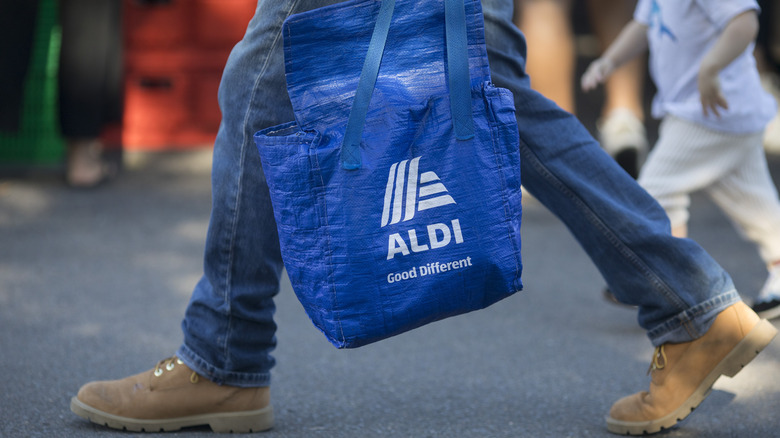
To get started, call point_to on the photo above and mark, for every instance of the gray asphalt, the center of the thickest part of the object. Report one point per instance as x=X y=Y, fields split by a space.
x=93 y=285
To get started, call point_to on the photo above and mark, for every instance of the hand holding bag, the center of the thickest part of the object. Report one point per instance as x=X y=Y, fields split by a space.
x=396 y=190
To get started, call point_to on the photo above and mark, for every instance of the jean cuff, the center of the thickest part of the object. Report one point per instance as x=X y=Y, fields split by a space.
x=219 y=376
x=692 y=323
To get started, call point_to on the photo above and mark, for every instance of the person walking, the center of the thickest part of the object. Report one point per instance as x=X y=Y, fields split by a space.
x=221 y=373
x=714 y=112
x=549 y=29
x=90 y=84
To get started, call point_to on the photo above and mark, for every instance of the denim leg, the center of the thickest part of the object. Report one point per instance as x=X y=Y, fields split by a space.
x=678 y=287
x=229 y=331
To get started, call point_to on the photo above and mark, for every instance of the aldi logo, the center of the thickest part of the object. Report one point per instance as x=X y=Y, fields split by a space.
x=408 y=191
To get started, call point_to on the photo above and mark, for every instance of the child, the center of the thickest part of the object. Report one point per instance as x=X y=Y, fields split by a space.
x=713 y=112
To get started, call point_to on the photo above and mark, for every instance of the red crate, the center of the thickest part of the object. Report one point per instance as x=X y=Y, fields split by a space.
x=184 y=59
x=155 y=108
x=171 y=99
x=207 y=114
x=175 y=52
x=221 y=23
x=156 y=24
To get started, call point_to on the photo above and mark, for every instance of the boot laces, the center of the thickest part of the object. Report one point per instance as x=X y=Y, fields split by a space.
x=659 y=360
x=168 y=364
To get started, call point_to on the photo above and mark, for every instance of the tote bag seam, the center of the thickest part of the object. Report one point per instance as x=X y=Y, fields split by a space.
x=498 y=153
x=320 y=197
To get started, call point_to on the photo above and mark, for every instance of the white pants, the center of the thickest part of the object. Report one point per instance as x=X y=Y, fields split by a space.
x=731 y=169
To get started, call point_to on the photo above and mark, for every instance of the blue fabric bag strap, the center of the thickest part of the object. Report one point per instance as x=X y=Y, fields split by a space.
x=459 y=81
x=458 y=63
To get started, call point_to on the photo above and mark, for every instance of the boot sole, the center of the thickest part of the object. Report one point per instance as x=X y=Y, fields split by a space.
x=628 y=159
x=769 y=313
x=225 y=422
x=741 y=355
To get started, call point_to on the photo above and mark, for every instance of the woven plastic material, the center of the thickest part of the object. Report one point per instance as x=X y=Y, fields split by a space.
x=424 y=226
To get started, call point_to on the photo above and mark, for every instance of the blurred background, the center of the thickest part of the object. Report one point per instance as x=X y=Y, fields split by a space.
x=170 y=57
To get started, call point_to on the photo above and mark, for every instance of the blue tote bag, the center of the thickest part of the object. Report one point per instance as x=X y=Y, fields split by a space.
x=396 y=190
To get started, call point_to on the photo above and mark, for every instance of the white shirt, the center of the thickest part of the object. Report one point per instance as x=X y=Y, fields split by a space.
x=680 y=33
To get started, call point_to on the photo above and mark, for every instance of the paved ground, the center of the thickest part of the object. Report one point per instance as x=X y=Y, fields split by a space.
x=93 y=285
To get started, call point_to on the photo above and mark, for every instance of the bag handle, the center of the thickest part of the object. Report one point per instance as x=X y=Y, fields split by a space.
x=458 y=78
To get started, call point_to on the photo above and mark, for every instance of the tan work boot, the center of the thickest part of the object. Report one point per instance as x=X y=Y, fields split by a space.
x=683 y=374
x=171 y=396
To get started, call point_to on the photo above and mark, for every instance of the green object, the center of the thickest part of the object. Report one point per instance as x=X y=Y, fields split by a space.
x=38 y=140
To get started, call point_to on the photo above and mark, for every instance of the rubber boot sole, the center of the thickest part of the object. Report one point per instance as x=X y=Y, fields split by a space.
x=770 y=313
x=225 y=422
x=741 y=355
x=628 y=159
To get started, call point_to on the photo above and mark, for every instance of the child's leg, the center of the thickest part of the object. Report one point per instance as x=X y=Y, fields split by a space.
x=551 y=51
x=684 y=159
x=749 y=197
x=621 y=129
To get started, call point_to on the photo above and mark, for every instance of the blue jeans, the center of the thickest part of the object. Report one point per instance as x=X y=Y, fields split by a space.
x=229 y=331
